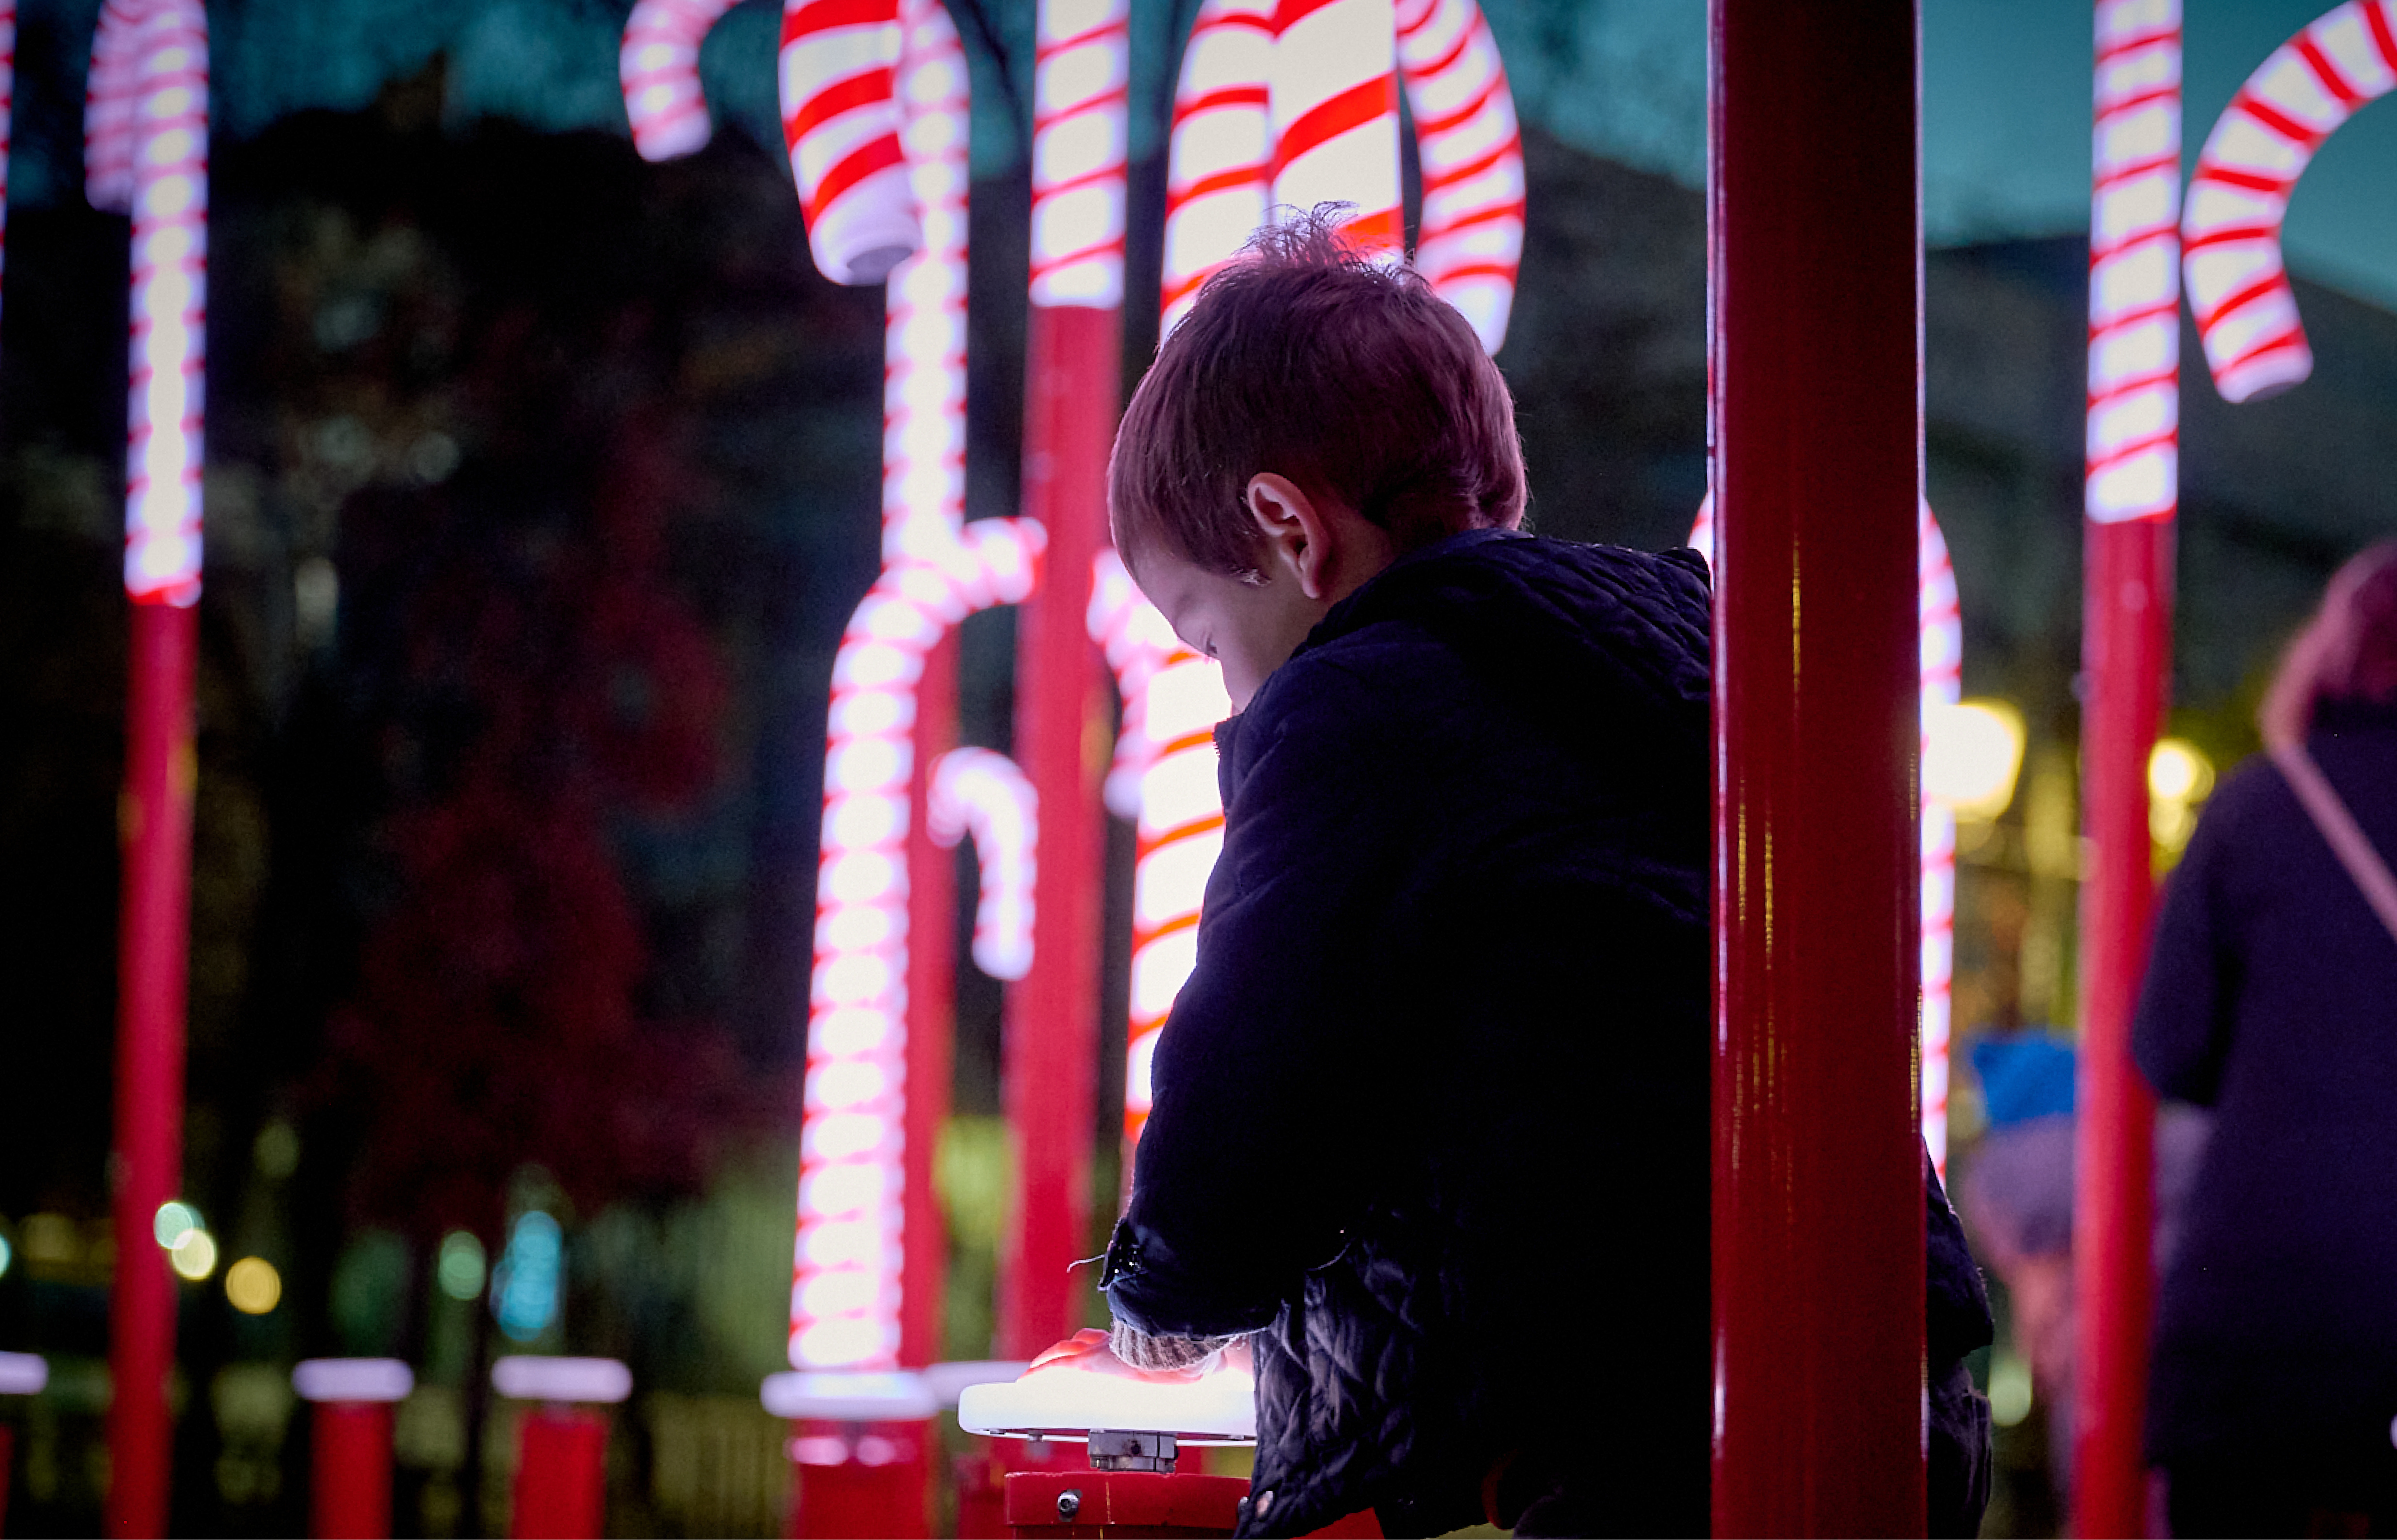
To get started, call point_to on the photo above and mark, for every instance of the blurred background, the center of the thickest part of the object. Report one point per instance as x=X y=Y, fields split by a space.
x=540 y=481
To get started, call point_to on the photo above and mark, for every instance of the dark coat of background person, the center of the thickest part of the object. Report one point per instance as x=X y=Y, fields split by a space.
x=2272 y=997
x=1432 y=1113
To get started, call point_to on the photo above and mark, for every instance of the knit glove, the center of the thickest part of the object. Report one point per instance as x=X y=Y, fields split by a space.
x=1142 y=1351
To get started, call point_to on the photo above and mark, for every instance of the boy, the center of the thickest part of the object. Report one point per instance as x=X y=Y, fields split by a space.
x=1432 y=1113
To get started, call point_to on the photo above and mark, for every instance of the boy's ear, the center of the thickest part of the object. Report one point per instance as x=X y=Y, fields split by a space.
x=1300 y=543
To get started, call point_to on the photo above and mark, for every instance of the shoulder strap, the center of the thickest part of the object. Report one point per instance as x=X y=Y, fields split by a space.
x=2338 y=829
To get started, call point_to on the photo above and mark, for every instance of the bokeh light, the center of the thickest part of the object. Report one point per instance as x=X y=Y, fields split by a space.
x=2178 y=772
x=461 y=1268
x=176 y=1219
x=8 y=1255
x=1972 y=753
x=523 y=1286
x=253 y=1285
x=193 y=1256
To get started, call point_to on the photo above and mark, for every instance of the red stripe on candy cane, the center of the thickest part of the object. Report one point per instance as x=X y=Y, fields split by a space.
x=840 y=124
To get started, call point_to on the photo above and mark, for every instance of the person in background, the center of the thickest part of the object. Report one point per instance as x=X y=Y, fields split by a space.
x=2272 y=998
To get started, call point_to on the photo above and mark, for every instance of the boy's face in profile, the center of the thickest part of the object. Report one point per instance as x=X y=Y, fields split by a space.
x=1313 y=554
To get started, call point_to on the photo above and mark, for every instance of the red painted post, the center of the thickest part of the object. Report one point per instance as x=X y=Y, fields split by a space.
x=1073 y=392
x=932 y=983
x=561 y=1486
x=862 y=1478
x=1052 y=1014
x=1817 y=437
x=155 y=827
x=349 y=1494
x=2132 y=490
x=8 y=1470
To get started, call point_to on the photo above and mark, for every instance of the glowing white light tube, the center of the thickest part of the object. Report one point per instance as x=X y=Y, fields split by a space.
x=163 y=44
x=840 y=122
x=1334 y=96
x=1941 y=636
x=1164 y=778
x=659 y=68
x=982 y=792
x=1080 y=75
x=107 y=108
x=8 y=98
x=2246 y=314
x=2133 y=425
x=1470 y=244
x=1220 y=161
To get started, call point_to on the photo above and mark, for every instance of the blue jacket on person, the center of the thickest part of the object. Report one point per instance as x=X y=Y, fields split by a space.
x=1431 y=1114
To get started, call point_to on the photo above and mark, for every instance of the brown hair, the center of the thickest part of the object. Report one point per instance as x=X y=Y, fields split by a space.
x=1310 y=360
x=2347 y=652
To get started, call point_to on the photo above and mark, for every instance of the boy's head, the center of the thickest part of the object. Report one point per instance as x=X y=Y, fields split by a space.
x=1316 y=416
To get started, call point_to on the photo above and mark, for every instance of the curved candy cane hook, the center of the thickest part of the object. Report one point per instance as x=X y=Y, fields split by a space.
x=1470 y=244
x=2238 y=285
x=659 y=68
x=981 y=792
x=840 y=121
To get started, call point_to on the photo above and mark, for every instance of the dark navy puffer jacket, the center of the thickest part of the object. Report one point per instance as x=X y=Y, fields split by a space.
x=1432 y=1113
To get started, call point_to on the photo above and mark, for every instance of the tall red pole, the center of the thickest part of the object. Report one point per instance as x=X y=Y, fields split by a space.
x=932 y=984
x=1817 y=437
x=2132 y=490
x=155 y=825
x=1071 y=397
x=162 y=52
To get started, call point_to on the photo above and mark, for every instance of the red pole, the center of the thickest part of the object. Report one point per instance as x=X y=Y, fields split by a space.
x=1818 y=434
x=931 y=979
x=1053 y=1016
x=154 y=825
x=1072 y=394
x=349 y=1497
x=2132 y=488
x=561 y=1488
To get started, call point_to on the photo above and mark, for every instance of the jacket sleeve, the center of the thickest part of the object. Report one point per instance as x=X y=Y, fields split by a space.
x=2182 y=1033
x=1264 y=1083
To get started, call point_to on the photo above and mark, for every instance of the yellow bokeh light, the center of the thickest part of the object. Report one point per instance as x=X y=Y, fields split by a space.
x=195 y=1256
x=1971 y=752
x=253 y=1285
x=2178 y=772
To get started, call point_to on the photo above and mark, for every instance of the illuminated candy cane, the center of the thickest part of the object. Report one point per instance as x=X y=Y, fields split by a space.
x=1081 y=74
x=1334 y=94
x=168 y=50
x=1173 y=698
x=981 y=792
x=1470 y=244
x=659 y=67
x=848 y=1274
x=1941 y=637
x=2134 y=425
x=840 y=121
x=7 y=95
x=107 y=108
x=1220 y=163
x=2247 y=316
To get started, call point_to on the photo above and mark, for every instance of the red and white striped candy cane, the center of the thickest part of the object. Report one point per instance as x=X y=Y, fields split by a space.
x=1471 y=243
x=1220 y=161
x=1081 y=74
x=107 y=108
x=7 y=100
x=169 y=65
x=1173 y=698
x=1335 y=114
x=1941 y=637
x=2134 y=429
x=924 y=350
x=840 y=121
x=2238 y=286
x=659 y=68
x=980 y=792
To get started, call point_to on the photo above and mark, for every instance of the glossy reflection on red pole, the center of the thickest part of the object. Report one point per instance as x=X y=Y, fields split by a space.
x=1817 y=436
x=155 y=827
x=1052 y=1013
